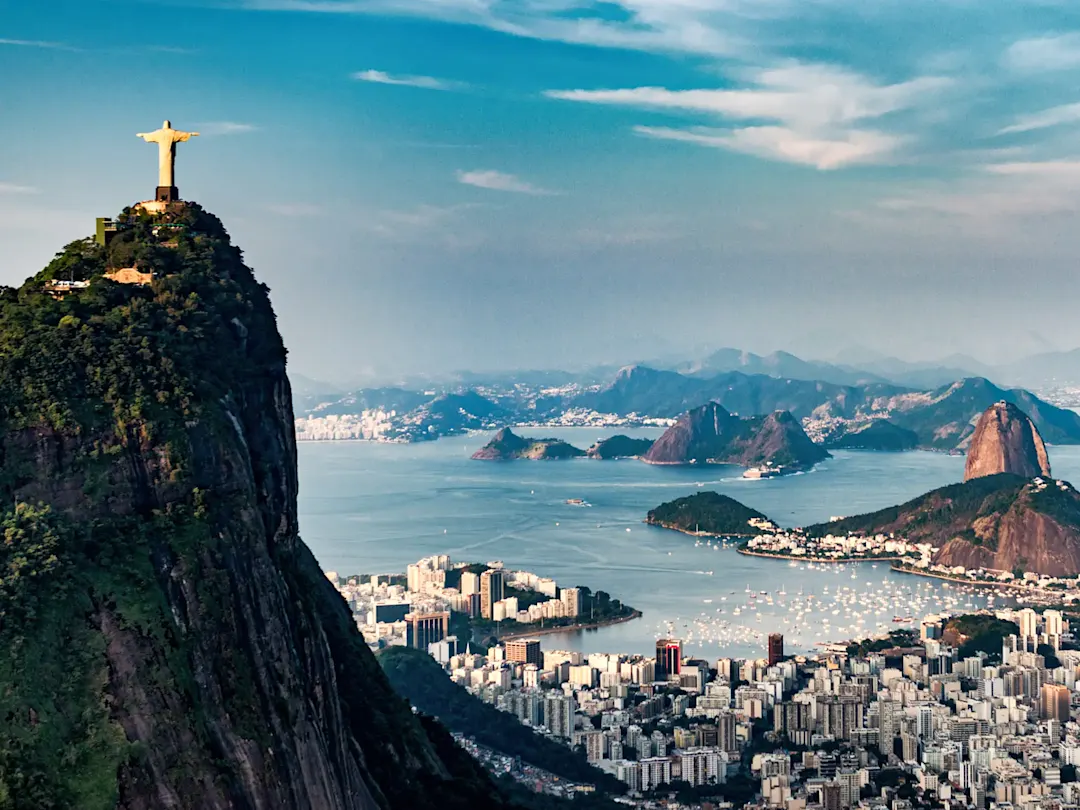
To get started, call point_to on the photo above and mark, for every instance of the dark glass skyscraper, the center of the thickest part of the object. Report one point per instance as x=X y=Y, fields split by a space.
x=668 y=658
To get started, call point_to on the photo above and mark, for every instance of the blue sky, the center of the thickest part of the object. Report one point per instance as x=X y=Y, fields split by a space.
x=437 y=184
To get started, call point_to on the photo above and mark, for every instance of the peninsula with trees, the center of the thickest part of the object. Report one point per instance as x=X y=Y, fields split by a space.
x=710 y=514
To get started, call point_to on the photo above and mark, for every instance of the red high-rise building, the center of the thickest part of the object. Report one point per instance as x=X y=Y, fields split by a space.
x=776 y=648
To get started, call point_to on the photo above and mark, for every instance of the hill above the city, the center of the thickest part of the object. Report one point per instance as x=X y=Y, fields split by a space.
x=977 y=632
x=1006 y=441
x=168 y=639
x=1001 y=522
x=708 y=513
x=710 y=434
x=507 y=445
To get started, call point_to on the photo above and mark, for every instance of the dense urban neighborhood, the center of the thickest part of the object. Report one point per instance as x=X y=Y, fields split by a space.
x=965 y=711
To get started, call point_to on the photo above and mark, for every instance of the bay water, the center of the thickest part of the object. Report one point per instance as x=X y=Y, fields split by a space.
x=374 y=508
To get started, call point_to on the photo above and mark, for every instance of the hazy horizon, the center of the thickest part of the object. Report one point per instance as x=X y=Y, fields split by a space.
x=432 y=186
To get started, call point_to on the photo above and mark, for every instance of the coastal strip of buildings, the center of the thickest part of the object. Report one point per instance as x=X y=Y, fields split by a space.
x=418 y=609
x=379 y=425
x=916 y=558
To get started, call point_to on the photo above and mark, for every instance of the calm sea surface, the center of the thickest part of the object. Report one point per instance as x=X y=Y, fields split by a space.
x=375 y=508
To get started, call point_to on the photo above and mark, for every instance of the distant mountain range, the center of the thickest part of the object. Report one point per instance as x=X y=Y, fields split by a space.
x=888 y=370
x=854 y=367
x=941 y=418
x=858 y=368
x=936 y=404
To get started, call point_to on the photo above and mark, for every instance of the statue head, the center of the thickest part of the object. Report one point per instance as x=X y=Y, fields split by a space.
x=167 y=124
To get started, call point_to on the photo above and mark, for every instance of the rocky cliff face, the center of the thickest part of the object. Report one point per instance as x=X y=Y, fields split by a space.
x=1006 y=441
x=169 y=641
x=712 y=435
x=1039 y=531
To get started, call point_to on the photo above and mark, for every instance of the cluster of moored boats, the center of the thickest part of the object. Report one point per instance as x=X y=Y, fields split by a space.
x=830 y=612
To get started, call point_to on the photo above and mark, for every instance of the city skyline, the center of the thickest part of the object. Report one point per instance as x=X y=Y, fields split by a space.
x=428 y=186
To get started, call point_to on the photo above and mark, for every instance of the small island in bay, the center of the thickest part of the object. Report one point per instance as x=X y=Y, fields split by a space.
x=712 y=435
x=880 y=435
x=712 y=514
x=507 y=445
x=620 y=447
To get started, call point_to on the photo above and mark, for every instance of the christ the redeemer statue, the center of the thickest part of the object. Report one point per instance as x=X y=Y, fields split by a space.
x=166 y=138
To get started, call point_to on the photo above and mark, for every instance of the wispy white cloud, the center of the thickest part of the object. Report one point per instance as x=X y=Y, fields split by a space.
x=226 y=128
x=15 y=188
x=1038 y=168
x=1055 y=116
x=500 y=181
x=425 y=82
x=1048 y=53
x=1002 y=195
x=37 y=43
x=813 y=94
x=175 y=50
x=687 y=26
x=782 y=143
x=817 y=112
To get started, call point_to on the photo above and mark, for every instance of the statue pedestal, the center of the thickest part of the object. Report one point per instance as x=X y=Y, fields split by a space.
x=167 y=194
x=159 y=206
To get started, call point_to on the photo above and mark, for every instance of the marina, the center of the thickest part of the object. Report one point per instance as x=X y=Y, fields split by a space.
x=837 y=610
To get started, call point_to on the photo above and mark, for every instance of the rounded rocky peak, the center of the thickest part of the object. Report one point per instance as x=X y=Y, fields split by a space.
x=1006 y=441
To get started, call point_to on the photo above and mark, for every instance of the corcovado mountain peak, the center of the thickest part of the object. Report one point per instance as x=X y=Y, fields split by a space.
x=168 y=639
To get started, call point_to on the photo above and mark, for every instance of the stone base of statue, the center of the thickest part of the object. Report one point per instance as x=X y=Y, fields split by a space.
x=167 y=194
x=160 y=206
